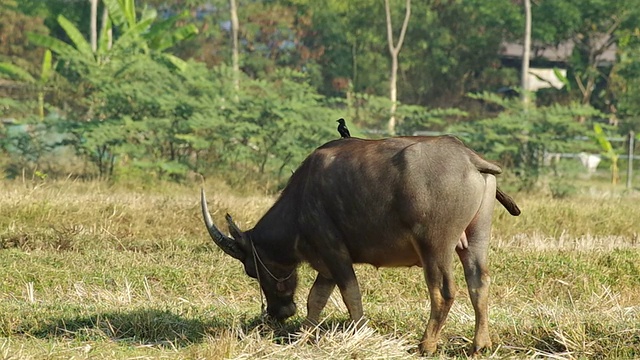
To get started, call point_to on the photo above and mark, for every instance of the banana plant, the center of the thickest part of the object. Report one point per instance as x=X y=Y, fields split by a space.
x=17 y=73
x=144 y=33
x=607 y=151
x=157 y=36
x=563 y=79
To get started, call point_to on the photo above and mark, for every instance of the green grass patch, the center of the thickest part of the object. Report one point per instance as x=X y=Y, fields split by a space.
x=95 y=271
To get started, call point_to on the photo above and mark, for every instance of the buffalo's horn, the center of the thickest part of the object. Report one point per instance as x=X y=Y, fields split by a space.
x=227 y=244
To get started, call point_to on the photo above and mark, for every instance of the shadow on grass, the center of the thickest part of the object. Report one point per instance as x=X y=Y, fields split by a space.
x=157 y=327
x=164 y=328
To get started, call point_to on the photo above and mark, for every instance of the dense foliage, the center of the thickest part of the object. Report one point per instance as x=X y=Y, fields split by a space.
x=154 y=97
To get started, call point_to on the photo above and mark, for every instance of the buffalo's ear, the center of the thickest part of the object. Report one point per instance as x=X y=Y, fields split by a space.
x=235 y=232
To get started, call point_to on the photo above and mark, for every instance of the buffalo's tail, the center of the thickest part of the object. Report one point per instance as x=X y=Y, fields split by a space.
x=507 y=202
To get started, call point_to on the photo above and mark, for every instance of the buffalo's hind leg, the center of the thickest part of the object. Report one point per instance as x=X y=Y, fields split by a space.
x=438 y=272
x=475 y=264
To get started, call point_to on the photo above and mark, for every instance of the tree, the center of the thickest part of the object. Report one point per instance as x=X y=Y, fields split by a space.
x=526 y=54
x=108 y=29
x=14 y=45
x=394 y=50
x=520 y=139
x=94 y=25
x=446 y=58
x=235 y=58
x=270 y=35
x=145 y=109
x=594 y=26
x=278 y=121
x=624 y=82
x=141 y=35
x=590 y=49
x=146 y=35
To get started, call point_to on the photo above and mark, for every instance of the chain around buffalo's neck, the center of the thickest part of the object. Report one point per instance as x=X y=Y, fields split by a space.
x=256 y=260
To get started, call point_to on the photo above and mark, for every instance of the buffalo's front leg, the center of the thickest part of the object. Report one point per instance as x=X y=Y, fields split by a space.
x=350 y=291
x=343 y=275
x=335 y=267
x=317 y=300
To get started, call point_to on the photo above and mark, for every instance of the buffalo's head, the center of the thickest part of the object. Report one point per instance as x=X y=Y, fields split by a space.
x=277 y=281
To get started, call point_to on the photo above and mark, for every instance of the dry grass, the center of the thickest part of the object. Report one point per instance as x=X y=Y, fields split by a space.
x=93 y=271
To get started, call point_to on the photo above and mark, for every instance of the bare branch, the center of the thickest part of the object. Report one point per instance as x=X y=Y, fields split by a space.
x=405 y=24
x=387 y=11
x=580 y=85
x=395 y=49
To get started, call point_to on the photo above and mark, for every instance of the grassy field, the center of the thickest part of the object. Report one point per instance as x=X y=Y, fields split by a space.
x=90 y=271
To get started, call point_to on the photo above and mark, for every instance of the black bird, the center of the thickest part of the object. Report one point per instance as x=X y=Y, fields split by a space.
x=342 y=129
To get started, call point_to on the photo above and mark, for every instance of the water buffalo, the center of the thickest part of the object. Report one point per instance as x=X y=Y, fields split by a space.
x=400 y=201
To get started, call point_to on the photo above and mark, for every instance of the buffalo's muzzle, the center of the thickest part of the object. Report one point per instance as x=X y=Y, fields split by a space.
x=282 y=312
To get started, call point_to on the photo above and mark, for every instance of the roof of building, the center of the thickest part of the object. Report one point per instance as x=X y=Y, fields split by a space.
x=559 y=53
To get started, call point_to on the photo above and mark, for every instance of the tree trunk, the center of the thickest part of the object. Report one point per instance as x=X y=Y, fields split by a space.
x=105 y=17
x=235 y=57
x=41 y=105
x=94 y=25
x=526 y=54
x=393 y=94
x=394 y=50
